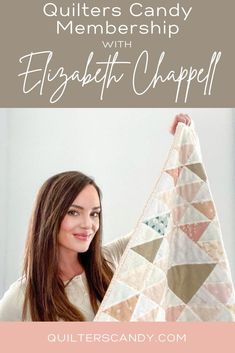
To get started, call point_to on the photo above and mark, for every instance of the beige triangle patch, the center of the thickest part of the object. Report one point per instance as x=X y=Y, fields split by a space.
x=123 y=311
x=197 y=169
x=213 y=248
x=192 y=215
x=148 y=250
x=206 y=208
x=185 y=280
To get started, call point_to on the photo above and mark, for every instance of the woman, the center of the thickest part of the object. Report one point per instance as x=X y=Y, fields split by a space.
x=66 y=271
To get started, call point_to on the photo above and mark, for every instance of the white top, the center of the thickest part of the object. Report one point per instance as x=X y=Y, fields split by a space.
x=11 y=304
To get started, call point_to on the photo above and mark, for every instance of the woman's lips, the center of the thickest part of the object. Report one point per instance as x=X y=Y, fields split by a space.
x=82 y=236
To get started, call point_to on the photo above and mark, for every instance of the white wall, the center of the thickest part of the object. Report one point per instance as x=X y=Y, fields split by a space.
x=124 y=149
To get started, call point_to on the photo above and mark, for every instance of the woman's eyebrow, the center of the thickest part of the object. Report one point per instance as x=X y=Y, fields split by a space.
x=82 y=208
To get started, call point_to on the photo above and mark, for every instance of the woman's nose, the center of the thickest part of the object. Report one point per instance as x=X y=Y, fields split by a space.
x=86 y=222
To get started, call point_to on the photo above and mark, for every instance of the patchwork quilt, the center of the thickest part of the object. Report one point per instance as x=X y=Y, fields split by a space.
x=174 y=267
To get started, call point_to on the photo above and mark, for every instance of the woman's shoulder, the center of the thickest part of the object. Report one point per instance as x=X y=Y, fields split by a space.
x=11 y=303
x=114 y=250
x=15 y=289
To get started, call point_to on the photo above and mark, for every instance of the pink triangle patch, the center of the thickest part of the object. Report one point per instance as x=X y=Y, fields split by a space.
x=194 y=231
x=222 y=291
x=174 y=173
x=173 y=312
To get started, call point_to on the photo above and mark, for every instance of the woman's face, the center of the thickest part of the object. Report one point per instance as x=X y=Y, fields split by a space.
x=81 y=222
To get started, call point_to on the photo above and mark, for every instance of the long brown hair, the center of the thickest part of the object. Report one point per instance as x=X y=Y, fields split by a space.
x=45 y=296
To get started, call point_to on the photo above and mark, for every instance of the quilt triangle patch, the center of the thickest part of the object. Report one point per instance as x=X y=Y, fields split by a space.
x=158 y=223
x=179 y=277
x=194 y=231
x=148 y=250
x=206 y=312
x=225 y=314
x=212 y=232
x=171 y=299
x=161 y=262
x=144 y=234
x=203 y=296
x=194 y=158
x=178 y=212
x=174 y=173
x=185 y=152
x=173 y=160
x=194 y=254
x=203 y=194
x=188 y=315
x=206 y=208
x=189 y=191
x=165 y=183
x=192 y=215
x=124 y=310
x=121 y=291
x=171 y=198
x=222 y=291
x=187 y=177
x=143 y=306
x=231 y=308
x=151 y=316
x=173 y=312
x=156 y=292
x=137 y=277
x=105 y=317
x=133 y=261
x=156 y=275
x=218 y=275
x=198 y=169
x=157 y=207
x=213 y=248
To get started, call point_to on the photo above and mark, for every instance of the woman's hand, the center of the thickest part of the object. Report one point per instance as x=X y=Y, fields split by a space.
x=180 y=118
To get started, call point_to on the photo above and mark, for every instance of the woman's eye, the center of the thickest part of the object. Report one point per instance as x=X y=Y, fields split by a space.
x=73 y=213
x=95 y=214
